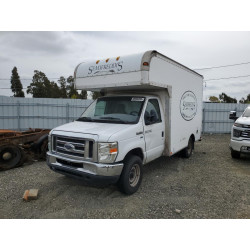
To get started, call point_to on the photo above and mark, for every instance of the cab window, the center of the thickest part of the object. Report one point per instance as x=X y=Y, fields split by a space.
x=152 y=113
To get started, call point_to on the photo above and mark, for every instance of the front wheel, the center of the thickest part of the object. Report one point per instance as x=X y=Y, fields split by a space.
x=235 y=154
x=131 y=176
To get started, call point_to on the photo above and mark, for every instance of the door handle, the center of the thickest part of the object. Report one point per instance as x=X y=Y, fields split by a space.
x=148 y=131
x=139 y=133
x=162 y=133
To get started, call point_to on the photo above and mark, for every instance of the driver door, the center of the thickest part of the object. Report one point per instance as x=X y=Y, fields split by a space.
x=154 y=130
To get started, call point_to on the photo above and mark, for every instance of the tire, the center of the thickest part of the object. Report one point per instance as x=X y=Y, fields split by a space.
x=187 y=152
x=43 y=150
x=131 y=176
x=235 y=154
x=10 y=156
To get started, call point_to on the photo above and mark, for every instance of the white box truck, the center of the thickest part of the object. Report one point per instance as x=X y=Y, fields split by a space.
x=151 y=106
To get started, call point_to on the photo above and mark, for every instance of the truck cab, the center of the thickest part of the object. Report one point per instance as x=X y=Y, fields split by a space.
x=151 y=106
x=113 y=130
x=240 y=133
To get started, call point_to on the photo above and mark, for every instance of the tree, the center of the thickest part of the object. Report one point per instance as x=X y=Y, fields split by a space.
x=214 y=99
x=95 y=95
x=42 y=87
x=71 y=91
x=55 y=90
x=16 y=85
x=242 y=100
x=83 y=94
x=227 y=99
x=63 y=89
x=247 y=100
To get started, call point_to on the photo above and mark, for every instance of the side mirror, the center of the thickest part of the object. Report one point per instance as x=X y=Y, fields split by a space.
x=232 y=115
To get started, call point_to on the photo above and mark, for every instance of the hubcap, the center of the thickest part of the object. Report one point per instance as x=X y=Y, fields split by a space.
x=134 y=175
x=10 y=156
x=7 y=156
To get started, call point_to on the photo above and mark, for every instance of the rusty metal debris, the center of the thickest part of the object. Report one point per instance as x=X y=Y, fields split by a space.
x=15 y=146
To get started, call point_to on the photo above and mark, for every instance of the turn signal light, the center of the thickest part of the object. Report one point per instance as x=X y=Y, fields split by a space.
x=117 y=58
x=97 y=61
x=107 y=60
x=145 y=64
x=113 y=150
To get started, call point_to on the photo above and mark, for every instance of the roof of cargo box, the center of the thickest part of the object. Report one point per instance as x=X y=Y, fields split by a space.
x=100 y=73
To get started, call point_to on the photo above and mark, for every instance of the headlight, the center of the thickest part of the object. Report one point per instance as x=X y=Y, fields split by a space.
x=107 y=152
x=49 y=143
x=238 y=125
x=236 y=133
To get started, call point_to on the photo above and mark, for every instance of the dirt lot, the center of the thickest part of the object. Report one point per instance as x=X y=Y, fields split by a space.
x=208 y=185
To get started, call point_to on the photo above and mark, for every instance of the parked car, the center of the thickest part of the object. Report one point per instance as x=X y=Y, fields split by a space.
x=151 y=106
x=240 y=133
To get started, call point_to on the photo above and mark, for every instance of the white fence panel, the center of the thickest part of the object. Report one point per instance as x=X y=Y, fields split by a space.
x=216 y=116
x=24 y=113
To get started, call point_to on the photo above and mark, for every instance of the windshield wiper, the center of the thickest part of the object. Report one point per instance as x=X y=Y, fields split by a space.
x=113 y=118
x=87 y=119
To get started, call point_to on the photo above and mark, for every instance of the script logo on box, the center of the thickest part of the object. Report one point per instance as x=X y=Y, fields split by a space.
x=188 y=105
x=105 y=68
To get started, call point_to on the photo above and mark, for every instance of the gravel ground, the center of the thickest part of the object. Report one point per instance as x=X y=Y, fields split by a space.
x=210 y=184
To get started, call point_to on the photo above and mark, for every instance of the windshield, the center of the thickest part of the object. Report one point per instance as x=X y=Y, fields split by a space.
x=119 y=109
x=246 y=113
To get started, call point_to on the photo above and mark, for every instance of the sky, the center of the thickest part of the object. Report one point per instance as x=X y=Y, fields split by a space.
x=58 y=53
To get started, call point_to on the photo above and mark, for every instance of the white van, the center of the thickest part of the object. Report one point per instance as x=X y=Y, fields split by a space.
x=240 y=133
x=151 y=106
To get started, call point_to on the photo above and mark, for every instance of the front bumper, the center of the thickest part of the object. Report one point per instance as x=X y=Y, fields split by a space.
x=88 y=171
x=239 y=145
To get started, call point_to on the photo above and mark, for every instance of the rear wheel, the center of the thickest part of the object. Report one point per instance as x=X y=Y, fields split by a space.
x=131 y=176
x=187 y=152
x=10 y=156
x=235 y=154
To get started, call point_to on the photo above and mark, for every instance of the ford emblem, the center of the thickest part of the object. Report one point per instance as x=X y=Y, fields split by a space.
x=69 y=146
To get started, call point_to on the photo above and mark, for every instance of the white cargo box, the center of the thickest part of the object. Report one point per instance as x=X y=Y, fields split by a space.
x=129 y=72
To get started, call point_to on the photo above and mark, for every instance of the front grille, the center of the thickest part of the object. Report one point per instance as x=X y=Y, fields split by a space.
x=245 y=134
x=246 y=126
x=73 y=147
